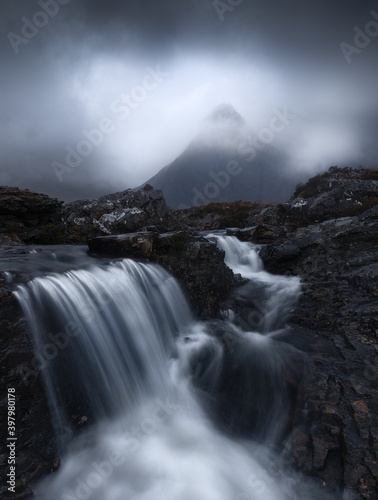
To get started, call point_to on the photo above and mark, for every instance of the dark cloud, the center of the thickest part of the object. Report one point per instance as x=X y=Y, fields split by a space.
x=258 y=55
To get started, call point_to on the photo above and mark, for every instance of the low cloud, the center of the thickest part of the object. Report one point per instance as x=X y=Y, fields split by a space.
x=263 y=56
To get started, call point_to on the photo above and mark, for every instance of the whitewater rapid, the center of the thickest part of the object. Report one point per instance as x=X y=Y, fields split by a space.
x=282 y=292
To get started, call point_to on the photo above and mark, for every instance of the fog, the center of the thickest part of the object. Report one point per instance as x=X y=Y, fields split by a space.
x=138 y=78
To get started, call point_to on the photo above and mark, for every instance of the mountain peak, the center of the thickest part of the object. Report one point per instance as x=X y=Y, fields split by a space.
x=223 y=129
x=225 y=112
x=221 y=164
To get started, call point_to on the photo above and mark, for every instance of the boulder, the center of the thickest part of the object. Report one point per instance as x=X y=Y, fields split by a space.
x=31 y=217
x=118 y=213
x=335 y=194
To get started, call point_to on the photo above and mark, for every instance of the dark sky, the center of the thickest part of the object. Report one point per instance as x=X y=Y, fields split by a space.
x=149 y=72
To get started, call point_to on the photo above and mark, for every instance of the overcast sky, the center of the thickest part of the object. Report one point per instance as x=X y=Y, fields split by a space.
x=146 y=73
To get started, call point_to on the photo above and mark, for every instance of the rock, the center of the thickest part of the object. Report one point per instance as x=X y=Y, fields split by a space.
x=337 y=261
x=344 y=197
x=197 y=263
x=119 y=213
x=215 y=216
x=327 y=234
x=9 y=240
x=139 y=245
x=36 y=443
x=31 y=217
x=338 y=193
x=245 y=234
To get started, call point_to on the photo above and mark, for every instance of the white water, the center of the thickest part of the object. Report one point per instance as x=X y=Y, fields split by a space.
x=143 y=366
x=282 y=291
x=118 y=323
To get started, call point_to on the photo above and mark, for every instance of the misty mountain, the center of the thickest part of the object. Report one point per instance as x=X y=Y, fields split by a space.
x=226 y=161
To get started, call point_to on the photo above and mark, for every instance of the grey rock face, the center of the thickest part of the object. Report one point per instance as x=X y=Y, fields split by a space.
x=117 y=213
x=336 y=323
x=36 y=443
x=337 y=193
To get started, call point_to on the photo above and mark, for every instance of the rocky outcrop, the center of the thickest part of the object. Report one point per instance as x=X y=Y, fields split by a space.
x=335 y=194
x=31 y=217
x=336 y=323
x=36 y=445
x=37 y=219
x=124 y=212
x=196 y=262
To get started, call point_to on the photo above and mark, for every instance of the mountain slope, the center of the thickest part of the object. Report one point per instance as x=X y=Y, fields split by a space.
x=225 y=162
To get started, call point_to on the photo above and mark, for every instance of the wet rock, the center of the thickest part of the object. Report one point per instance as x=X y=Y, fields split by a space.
x=327 y=234
x=118 y=213
x=337 y=193
x=140 y=245
x=30 y=217
x=337 y=261
x=197 y=263
x=9 y=240
x=36 y=445
x=245 y=234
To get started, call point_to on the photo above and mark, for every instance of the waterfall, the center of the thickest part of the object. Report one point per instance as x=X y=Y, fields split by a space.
x=277 y=295
x=241 y=257
x=177 y=409
x=115 y=326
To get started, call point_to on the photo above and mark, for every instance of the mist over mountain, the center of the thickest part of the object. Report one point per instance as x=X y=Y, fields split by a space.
x=152 y=71
x=227 y=161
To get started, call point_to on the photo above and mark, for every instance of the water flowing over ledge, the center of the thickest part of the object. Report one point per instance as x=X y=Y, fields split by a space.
x=281 y=292
x=179 y=409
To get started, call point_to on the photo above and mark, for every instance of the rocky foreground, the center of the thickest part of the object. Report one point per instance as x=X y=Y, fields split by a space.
x=337 y=324
x=327 y=234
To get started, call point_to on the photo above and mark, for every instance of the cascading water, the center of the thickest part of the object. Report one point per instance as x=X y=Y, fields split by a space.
x=116 y=327
x=154 y=382
x=277 y=295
